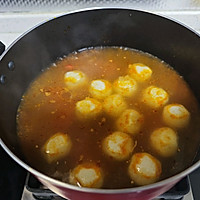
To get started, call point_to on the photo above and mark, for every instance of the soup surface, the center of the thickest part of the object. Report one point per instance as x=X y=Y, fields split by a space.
x=53 y=108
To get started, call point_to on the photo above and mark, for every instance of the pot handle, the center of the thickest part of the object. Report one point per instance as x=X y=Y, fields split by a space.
x=2 y=47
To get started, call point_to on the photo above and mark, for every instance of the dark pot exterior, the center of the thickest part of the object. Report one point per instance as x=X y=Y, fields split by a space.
x=37 y=49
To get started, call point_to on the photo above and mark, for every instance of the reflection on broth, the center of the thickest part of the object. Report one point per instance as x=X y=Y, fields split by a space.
x=109 y=117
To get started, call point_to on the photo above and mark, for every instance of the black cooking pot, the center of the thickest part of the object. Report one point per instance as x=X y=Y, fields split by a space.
x=36 y=50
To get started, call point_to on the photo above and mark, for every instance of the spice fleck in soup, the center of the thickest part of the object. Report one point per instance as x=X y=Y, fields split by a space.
x=109 y=117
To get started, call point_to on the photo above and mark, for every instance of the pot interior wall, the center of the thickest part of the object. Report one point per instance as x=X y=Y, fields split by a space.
x=42 y=46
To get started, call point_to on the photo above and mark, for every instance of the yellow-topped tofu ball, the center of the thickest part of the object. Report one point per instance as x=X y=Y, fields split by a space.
x=87 y=175
x=164 y=141
x=144 y=169
x=125 y=86
x=130 y=121
x=75 y=79
x=118 y=145
x=100 y=88
x=176 y=115
x=56 y=147
x=114 y=105
x=139 y=71
x=155 y=97
x=88 y=108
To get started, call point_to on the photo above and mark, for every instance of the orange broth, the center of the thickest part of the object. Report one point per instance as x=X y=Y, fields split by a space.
x=48 y=107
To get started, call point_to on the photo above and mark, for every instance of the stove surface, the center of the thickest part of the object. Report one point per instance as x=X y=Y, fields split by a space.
x=12 y=178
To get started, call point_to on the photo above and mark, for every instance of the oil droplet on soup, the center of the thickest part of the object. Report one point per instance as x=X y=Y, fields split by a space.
x=70 y=111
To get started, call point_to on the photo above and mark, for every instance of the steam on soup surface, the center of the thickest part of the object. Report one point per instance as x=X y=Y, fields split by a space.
x=109 y=117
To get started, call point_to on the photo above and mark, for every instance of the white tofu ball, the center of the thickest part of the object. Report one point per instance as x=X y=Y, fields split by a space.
x=57 y=147
x=125 y=86
x=87 y=175
x=118 y=145
x=155 y=97
x=164 y=141
x=130 y=121
x=139 y=72
x=75 y=79
x=100 y=88
x=114 y=105
x=176 y=115
x=144 y=169
x=88 y=108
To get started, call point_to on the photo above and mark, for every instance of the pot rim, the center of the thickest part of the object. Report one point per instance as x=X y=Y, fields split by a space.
x=95 y=190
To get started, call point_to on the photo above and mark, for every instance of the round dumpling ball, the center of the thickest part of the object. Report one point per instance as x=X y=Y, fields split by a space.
x=155 y=97
x=130 y=121
x=100 y=88
x=176 y=115
x=125 y=86
x=88 y=108
x=114 y=105
x=139 y=71
x=118 y=145
x=87 y=175
x=144 y=169
x=75 y=79
x=56 y=147
x=164 y=141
